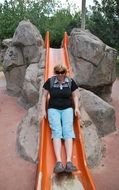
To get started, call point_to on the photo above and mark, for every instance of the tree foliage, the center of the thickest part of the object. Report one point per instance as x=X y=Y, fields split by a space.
x=46 y=15
x=104 y=22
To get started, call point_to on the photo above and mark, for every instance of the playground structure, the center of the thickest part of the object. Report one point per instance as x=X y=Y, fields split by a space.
x=45 y=176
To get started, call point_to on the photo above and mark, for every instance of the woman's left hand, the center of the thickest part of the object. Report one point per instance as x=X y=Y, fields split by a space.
x=77 y=112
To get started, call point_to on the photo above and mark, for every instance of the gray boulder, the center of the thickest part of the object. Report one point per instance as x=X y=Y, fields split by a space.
x=29 y=38
x=30 y=90
x=101 y=113
x=25 y=51
x=29 y=130
x=32 y=83
x=92 y=142
x=7 y=42
x=93 y=63
x=14 y=70
x=28 y=136
x=26 y=34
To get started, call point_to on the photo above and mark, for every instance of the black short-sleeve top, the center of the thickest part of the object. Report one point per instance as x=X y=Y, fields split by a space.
x=60 y=94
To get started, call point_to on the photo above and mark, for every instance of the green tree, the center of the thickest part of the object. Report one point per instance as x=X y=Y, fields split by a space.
x=47 y=15
x=104 y=22
x=11 y=13
x=62 y=21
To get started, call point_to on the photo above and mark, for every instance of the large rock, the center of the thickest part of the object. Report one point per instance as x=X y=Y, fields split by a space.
x=26 y=34
x=7 y=42
x=32 y=83
x=25 y=52
x=29 y=38
x=93 y=62
x=14 y=70
x=28 y=136
x=101 y=113
x=13 y=58
x=30 y=90
x=93 y=144
x=29 y=130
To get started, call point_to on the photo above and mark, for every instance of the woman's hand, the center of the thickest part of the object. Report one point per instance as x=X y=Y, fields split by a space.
x=77 y=113
x=42 y=115
x=76 y=104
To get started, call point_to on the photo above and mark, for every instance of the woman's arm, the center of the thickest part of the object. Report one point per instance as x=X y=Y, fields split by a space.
x=44 y=100
x=76 y=102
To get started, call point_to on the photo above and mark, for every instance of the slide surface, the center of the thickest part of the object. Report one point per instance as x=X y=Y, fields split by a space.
x=46 y=179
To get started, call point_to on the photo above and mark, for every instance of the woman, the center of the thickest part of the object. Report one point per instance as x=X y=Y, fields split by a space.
x=63 y=98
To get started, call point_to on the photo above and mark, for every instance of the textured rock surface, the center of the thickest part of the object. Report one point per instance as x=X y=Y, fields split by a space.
x=25 y=49
x=14 y=70
x=93 y=62
x=92 y=142
x=28 y=135
x=7 y=42
x=32 y=82
x=101 y=113
x=27 y=34
x=29 y=128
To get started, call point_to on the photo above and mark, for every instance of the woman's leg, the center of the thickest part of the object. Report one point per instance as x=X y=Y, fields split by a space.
x=68 y=131
x=57 y=149
x=54 y=118
x=69 y=147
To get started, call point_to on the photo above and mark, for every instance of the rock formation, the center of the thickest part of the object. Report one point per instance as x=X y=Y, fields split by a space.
x=101 y=113
x=21 y=61
x=94 y=66
x=93 y=63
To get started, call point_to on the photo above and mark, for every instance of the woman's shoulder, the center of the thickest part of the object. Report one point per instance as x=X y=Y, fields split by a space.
x=49 y=82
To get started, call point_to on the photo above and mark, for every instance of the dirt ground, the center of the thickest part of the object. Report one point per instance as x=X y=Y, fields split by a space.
x=106 y=175
x=15 y=173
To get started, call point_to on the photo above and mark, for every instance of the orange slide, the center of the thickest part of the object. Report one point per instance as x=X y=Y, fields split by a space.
x=46 y=179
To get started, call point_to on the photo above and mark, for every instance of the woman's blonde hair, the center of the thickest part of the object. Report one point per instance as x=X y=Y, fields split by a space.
x=60 y=67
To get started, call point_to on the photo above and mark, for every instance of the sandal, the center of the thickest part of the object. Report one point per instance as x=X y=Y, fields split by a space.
x=59 y=167
x=70 y=167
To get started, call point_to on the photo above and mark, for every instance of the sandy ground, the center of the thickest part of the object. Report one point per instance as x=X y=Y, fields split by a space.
x=15 y=173
x=106 y=175
x=18 y=174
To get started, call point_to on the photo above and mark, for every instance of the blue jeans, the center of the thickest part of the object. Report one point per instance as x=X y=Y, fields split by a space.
x=61 y=123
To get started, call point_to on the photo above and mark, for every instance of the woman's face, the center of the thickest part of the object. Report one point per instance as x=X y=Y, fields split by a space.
x=60 y=75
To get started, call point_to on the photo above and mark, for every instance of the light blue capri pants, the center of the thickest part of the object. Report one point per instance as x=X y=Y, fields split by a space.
x=61 y=123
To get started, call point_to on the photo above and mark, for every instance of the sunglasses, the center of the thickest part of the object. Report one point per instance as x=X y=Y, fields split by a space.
x=60 y=72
